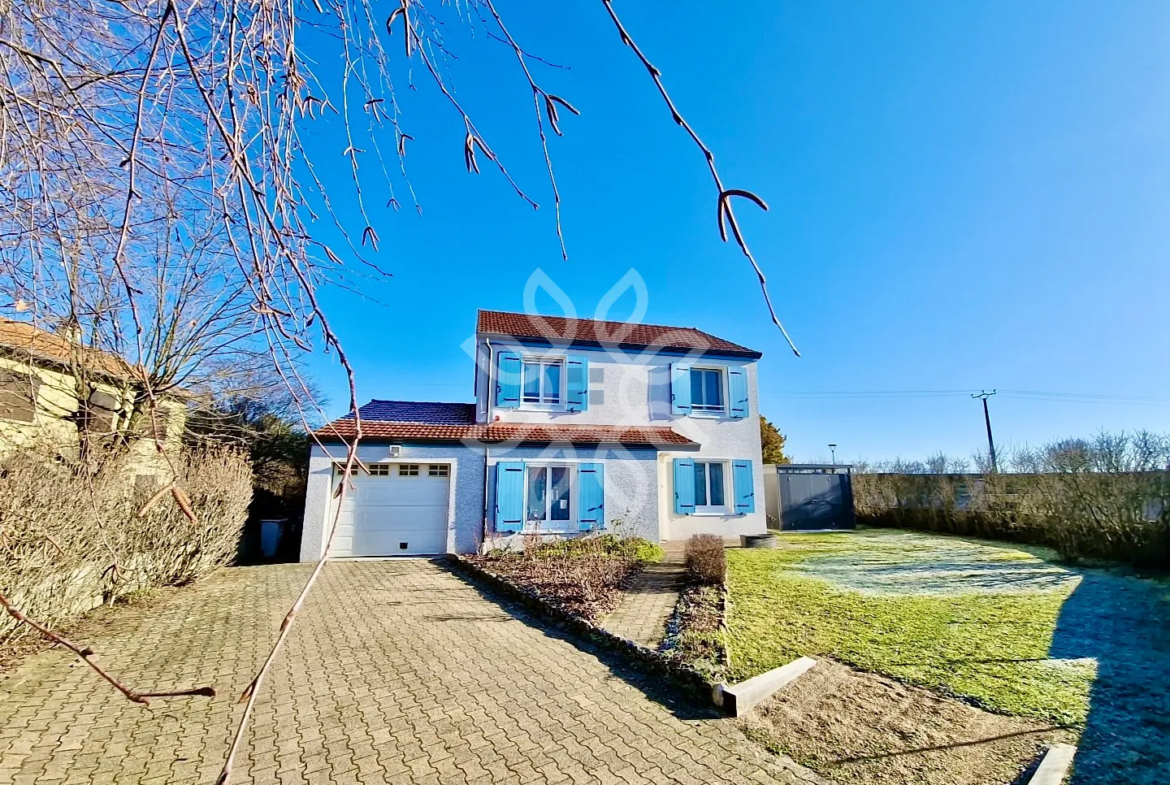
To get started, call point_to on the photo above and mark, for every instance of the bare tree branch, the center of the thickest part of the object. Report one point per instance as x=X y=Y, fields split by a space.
x=724 y=206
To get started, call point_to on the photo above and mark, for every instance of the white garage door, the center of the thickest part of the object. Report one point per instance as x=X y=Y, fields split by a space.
x=399 y=509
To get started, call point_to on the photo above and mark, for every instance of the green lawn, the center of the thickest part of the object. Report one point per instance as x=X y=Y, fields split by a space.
x=975 y=619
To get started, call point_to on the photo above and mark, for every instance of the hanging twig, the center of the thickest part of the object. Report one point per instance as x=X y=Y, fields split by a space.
x=87 y=656
x=550 y=108
x=724 y=205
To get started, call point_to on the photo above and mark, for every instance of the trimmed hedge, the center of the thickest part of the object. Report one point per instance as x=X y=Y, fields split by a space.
x=1118 y=516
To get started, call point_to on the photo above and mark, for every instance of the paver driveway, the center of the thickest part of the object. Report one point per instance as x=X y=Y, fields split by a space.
x=398 y=671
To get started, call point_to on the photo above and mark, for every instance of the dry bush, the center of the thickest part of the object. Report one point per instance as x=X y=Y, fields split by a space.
x=71 y=539
x=696 y=633
x=705 y=559
x=581 y=575
x=1106 y=498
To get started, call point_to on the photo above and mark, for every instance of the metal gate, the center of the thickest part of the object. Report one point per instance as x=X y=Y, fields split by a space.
x=815 y=497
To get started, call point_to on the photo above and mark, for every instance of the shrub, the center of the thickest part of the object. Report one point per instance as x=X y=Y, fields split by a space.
x=642 y=551
x=73 y=537
x=606 y=545
x=705 y=560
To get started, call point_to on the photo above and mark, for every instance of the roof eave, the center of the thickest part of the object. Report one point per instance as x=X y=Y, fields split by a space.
x=659 y=446
x=58 y=364
x=326 y=435
x=747 y=354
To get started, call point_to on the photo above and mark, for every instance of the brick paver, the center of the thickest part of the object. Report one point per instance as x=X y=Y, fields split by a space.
x=647 y=604
x=397 y=671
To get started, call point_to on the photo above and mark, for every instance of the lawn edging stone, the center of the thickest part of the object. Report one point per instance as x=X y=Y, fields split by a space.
x=1054 y=765
x=686 y=678
x=738 y=699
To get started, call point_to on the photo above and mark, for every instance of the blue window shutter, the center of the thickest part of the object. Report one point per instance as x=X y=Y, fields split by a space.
x=591 y=496
x=684 y=486
x=743 y=477
x=508 y=381
x=578 y=382
x=737 y=392
x=680 y=388
x=509 y=496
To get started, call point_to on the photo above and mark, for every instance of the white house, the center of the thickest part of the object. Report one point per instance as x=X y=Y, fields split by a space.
x=578 y=426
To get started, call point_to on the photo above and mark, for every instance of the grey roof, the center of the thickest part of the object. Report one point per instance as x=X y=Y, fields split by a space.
x=428 y=412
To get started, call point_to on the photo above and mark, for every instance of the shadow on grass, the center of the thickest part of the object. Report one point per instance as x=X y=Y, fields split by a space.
x=1124 y=624
x=952 y=746
x=684 y=704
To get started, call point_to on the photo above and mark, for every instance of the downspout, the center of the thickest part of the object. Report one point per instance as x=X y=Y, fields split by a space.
x=483 y=540
x=487 y=409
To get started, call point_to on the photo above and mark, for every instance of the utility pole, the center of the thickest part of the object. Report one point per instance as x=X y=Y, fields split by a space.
x=987 y=419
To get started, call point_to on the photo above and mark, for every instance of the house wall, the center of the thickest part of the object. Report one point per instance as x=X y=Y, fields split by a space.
x=56 y=401
x=719 y=439
x=625 y=388
x=465 y=508
x=57 y=405
x=145 y=457
x=635 y=390
x=630 y=488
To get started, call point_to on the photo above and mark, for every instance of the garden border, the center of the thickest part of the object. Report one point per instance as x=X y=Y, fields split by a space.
x=684 y=676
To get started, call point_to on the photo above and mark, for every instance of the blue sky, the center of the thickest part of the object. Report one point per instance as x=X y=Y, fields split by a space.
x=963 y=196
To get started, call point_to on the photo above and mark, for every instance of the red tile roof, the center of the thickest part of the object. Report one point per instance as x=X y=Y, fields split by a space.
x=558 y=328
x=509 y=432
x=29 y=341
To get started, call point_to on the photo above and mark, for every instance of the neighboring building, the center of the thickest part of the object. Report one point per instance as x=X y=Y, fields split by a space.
x=57 y=393
x=578 y=426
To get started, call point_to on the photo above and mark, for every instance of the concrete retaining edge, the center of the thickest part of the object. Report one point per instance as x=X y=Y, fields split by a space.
x=739 y=699
x=683 y=676
x=1054 y=765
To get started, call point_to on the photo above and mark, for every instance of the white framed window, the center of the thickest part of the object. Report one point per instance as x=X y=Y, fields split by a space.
x=707 y=390
x=372 y=469
x=438 y=470
x=408 y=470
x=711 y=486
x=548 y=497
x=543 y=381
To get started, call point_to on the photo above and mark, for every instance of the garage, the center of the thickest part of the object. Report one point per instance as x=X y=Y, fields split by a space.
x=396 y=509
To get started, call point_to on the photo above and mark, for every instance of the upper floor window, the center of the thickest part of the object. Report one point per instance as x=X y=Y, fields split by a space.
x=707 y=390
x=542 y=381
x=548 y=382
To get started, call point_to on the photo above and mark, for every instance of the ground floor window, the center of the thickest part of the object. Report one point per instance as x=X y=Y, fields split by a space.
x=549 y=497
x=710 y=487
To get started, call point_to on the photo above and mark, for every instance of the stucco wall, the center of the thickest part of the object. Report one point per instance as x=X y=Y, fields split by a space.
x=465 y=510
x=719 y=439
x=635 y=390
x=631 y=498
x=630 y=488
x=56 y=401
x=57 y=405
x=634 y=386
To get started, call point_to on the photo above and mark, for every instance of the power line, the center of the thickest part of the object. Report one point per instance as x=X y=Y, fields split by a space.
x=1033 y=395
